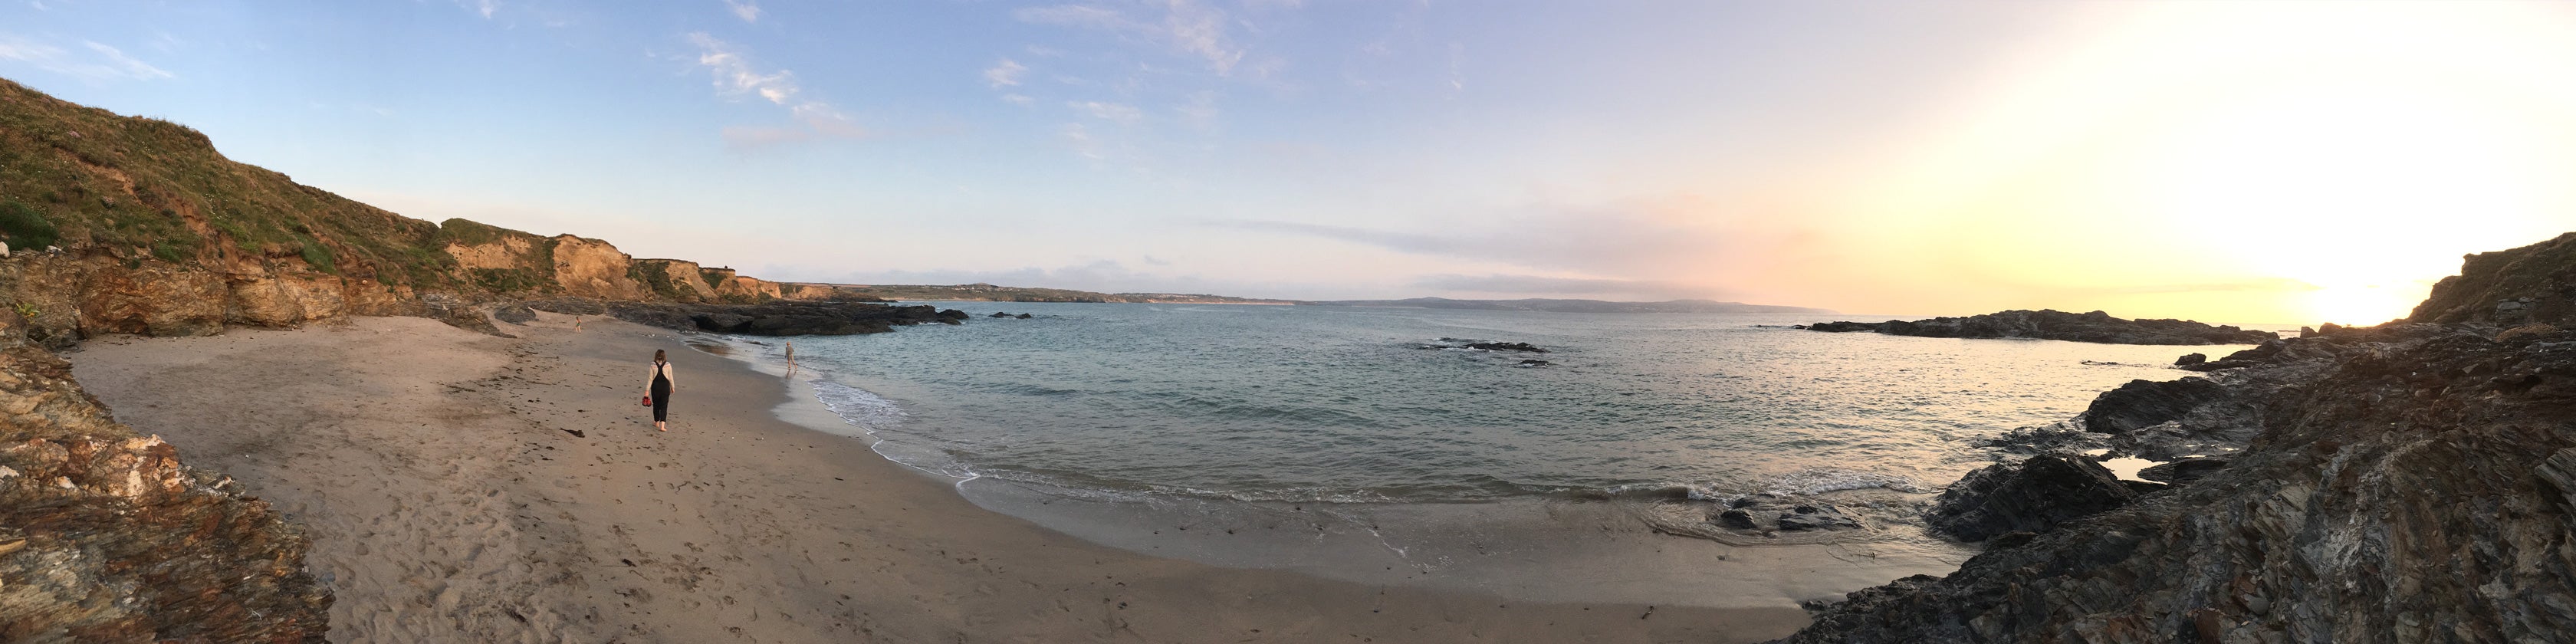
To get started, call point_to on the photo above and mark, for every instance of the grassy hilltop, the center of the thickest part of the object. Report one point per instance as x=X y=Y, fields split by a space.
x=137 y=188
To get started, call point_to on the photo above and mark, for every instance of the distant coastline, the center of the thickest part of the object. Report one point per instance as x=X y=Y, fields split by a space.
x=982 y=292
x=1577 y=306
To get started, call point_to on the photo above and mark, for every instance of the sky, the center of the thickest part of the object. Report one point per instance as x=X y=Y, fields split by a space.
x=2249 y=162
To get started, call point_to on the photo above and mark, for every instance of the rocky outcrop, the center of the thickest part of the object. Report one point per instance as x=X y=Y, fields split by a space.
x=2096 y=326
x=2034 y=495
x=2403 y=493
x=2527 y=285
x=106 y=537
x=2403 y=483
x=2146 y=403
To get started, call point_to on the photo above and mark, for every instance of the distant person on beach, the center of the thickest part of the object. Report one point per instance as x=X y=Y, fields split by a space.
x=661 y=388
x=791 y=355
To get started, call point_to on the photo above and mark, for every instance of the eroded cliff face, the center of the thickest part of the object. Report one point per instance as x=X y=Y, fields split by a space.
x=64 y=298
x=674 y=279
x=591 y=268
x=106 y=536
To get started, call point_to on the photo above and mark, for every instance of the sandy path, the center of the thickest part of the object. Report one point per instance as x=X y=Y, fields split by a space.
x=450 y=500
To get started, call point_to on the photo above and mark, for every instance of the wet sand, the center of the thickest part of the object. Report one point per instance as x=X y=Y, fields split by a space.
x=462 y=487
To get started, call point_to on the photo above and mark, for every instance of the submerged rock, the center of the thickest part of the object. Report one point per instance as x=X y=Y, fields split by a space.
x=1817 y=517
x=1522 y=347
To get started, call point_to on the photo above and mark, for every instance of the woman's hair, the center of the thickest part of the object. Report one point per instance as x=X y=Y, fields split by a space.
x=658 y=356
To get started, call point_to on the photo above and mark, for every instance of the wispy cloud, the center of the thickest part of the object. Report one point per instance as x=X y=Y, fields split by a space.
x=102 y=63
x=736 y=76
x=1184 y=26
x=1005 y=73
x=1115 y=112
x=1080 y=138
x=1685 y=239
x=747 y=10
x=2270 y=284
x=484 y=7
x=1525 y=285
x=1201 y=111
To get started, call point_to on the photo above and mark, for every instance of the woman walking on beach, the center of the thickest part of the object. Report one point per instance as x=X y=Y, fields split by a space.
x=661 y=388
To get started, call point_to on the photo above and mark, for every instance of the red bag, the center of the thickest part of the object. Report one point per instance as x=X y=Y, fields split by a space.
x=648 y=401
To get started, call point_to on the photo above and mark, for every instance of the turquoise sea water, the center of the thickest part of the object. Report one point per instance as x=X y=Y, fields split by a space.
x=1330 y=440
x=1344 y=404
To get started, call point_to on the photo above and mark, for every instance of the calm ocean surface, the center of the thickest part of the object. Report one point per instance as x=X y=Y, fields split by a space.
x=1341 y=404
x=1191 y=410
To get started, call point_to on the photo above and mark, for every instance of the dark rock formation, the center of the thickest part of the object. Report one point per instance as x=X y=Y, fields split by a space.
x=2183 y=471
x=2096 y=326
x=514 y=313
x=2406 y=483
x=1766 y=514
x=2190 y=359
x=777 y=318
x=2034 y=495
x=1523 y=347
x=1738 y=519
x=2143 y=403
x=1023 y=316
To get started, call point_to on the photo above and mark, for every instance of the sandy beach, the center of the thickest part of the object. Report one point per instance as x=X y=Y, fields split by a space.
x=464 y=487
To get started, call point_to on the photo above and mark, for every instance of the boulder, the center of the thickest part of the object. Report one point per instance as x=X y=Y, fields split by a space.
x=2144 y=403
x=2034 y=495
x=2189 y=359
x=514 y=314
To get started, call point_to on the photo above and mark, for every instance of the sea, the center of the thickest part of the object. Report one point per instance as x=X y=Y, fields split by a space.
x=1374 y=445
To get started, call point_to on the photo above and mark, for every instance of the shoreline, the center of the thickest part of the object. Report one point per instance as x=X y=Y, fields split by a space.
x=449 y=498
x=1542 y=549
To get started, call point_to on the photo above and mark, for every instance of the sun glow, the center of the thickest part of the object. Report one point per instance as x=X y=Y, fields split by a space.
x=2258 y=161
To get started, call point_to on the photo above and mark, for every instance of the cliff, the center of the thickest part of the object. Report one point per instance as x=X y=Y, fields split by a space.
x=2406 y=483
x=2046 y=324
x=137 y=225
